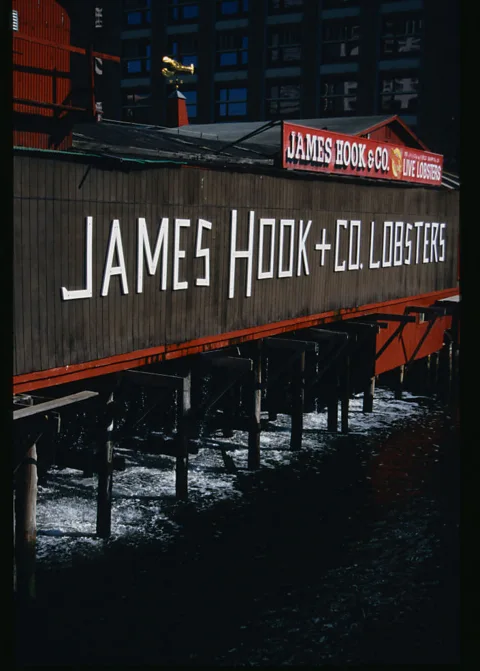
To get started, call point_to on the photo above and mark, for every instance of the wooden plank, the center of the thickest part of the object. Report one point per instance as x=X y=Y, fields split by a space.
x=54 y=404
x=142 y=378
x=35 y=306
x=404 y=319
x=217 y=360
x=326 y=334
x=18 y=285
x=288 y=343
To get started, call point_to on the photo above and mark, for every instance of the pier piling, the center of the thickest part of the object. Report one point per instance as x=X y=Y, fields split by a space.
x=254 y=431
x=332 y=409
x=105 y=467
x=345 y=395
x=298 y=397
x=181 y=460
x=400 y=374
x=26 y=525
x=368 y=395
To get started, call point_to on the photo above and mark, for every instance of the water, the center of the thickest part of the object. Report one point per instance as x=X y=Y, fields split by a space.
x=343 y=553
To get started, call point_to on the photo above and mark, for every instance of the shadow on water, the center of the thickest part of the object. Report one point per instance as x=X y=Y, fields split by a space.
x=347 y=557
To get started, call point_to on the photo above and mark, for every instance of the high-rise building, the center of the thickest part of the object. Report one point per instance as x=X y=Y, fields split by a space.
x=292 y=59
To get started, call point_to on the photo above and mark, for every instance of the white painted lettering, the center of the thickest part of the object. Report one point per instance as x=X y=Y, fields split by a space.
x=266 y=274
x=341 y=223
x=362 y=163
x=300 y=153
x=321 y=149
x=302 y=252
x=311 y=152
x=418 y=225
x=203 y=253
x=387 y=261
x=115 y=243
x=69 y=295
x=144 y=251
x=398 y=244
x=291 y=147
x=442 y=241
x=408 y=244
x=328 y=150
x=235 y=254
x=433 y=249
x=286 y=223
x=426 y=244
x=371 y=262
x=338 y=152
x=356 y=225
x=178 y=254
x=347 y=153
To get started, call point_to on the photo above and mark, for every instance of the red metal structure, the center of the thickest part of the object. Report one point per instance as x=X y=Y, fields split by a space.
x=53 y=72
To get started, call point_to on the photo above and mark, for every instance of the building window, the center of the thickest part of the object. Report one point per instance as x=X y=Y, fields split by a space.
x=283 y=100
x=191 y=96
x=336 y=4
x=136 y=4
x=136 y=58
x=280 y=6
x=338 y=96
x=184 y=48
x=231 y=8
x=232 y=49
x=399 y=93
x=284 y=45
x=231 y=103
x=401 y=35
x=140 y=14
x=182 y=10
x=340 y=40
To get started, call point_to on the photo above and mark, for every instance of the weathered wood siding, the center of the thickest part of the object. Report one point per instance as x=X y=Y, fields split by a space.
x=53 y=198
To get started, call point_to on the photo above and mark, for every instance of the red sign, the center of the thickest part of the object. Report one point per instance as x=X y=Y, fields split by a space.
x=315 y=150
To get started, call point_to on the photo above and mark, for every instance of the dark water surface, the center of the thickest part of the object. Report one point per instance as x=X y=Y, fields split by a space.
x=345 y=557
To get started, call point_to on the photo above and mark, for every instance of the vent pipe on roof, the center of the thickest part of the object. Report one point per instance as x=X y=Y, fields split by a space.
x=177 y=110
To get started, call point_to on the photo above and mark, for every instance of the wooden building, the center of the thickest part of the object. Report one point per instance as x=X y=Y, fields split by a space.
x=143 y=243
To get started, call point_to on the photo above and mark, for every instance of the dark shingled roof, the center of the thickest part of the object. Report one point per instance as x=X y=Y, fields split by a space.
x=254 y=143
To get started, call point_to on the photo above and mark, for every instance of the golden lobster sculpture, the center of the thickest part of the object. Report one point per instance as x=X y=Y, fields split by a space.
x=174 y=69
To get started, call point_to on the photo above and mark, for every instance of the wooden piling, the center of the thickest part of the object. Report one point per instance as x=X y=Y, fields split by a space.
x=449 y=367
x=298 y=398
x=445 y=371
x=181 y=460
x=105 y=466
x=26 y=525
x=400 y=373
x=345 y=395
x=428 y=368
x=368 y=395
x=254 y=431
x=433 y=373
x=228 y=413
x=332 y=409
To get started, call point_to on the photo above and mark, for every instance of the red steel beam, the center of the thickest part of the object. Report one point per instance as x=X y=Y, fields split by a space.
x=64 y=374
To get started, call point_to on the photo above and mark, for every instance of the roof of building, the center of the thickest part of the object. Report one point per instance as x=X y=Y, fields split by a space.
x=255 y=143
